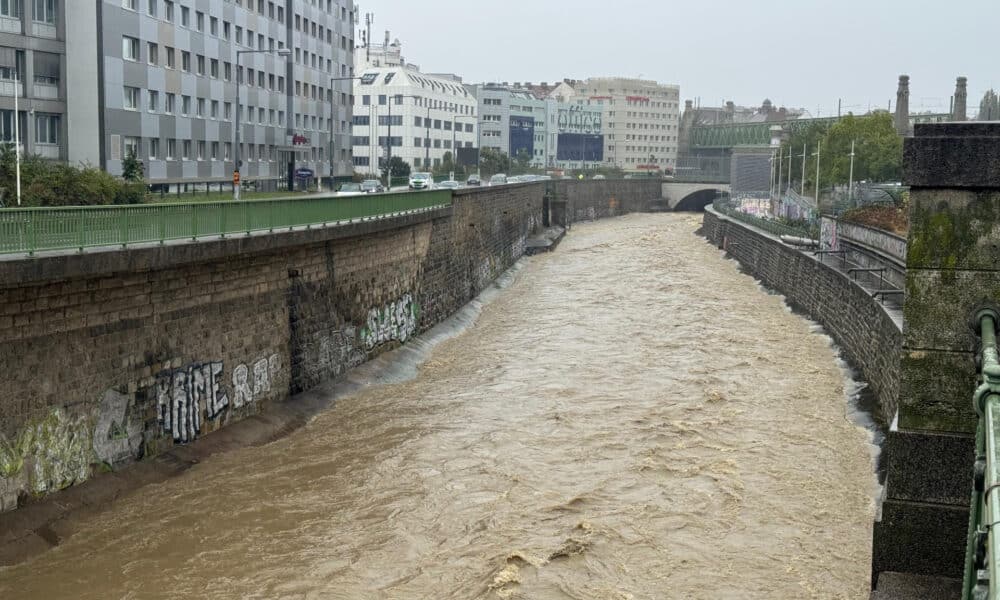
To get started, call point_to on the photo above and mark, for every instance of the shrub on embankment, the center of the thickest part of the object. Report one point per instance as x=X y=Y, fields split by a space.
x=49 y=183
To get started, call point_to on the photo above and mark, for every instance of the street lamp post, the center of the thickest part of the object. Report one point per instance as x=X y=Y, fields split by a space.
x=816 y=154
x=388 y=138
x=454 y=137
x=333 y=95
x=238 y=155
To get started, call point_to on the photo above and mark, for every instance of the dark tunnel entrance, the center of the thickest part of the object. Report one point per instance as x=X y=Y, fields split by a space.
x=697 y=201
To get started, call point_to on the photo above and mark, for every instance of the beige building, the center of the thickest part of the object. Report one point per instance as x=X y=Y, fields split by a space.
x=641 y=120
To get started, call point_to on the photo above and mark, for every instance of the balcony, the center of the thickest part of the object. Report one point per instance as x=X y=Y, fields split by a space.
x=45 y=90
x=47 y=150
x=10 y=25
x=45 y=30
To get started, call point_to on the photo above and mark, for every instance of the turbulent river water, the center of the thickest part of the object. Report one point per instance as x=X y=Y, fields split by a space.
x=630 y=418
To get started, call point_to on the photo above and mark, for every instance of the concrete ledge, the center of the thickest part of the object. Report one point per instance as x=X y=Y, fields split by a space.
x=945 y=463
x=952 y=155
x=20 y=270
x=907 y=586
x=914 y=537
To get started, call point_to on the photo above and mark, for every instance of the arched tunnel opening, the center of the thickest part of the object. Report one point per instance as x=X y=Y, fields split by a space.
x=697 y=201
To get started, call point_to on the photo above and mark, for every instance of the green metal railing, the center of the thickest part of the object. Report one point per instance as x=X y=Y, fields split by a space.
x=982 y=563
x=725 y=207
x=29 y=230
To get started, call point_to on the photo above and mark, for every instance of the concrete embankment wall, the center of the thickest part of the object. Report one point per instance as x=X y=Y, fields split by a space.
x=859 y=324
x=113 y=357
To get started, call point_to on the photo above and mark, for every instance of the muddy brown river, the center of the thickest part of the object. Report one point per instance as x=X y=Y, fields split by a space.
x=630 y=418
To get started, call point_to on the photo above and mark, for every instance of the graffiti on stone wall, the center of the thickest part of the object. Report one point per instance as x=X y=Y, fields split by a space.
x=117 y=432
x=49 y=454
x=396 y=321
x=180 y=394
x=250 y=382
x=338 y=351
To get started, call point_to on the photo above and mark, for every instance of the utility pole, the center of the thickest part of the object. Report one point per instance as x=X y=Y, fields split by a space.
x=17 y=132
x=790 y=166
x=803 y=192
x=816 y=154
x=781 y=161
x=771 y=163
x=850 y=180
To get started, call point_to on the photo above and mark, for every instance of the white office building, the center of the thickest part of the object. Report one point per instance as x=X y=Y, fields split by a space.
x=400 y=111
x=641 y=119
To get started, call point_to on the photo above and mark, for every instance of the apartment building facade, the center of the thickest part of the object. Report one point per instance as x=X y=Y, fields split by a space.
x=641 y=120
x=555 y=134
x=158 y=78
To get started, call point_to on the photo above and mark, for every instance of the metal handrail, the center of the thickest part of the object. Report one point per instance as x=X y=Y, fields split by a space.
x=30 y=230
x=982 y=566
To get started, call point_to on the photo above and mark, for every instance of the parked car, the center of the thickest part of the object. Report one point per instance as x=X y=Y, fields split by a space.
x=599 y=176
x=473 y=181
x=421 y=181
x=350 y=189
x=372 y=186
x=498 y=179
x=514 y=179
x=448 y=185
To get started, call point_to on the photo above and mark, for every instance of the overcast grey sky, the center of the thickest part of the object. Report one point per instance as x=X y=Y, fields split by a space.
x=805 y=53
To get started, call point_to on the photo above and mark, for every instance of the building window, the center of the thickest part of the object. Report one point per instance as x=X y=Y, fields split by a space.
x=46 y=128
x=185 y=16
x=154 y=53
x=227 y=148
x=130 y=48
x=168 y=14
x=131 y=98
x=201 y=150
x=10 y=8
x=154 y=100
x=171 y=61
x=154 y=147
x=215 y=150
x=130 y=4
x=168 y=106
x=201 y=107
x=201 y=64
x=227 y=111
x=45 y=11
x=185 y=105
x=186 y=150
x=215 y=109
x=213 y=26
x=151 y=7
x=199 y=19
x=171 y=148
x=185 y=60
x=214 y=68
x=130 y=146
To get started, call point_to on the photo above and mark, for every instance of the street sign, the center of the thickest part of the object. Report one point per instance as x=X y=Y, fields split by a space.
x=304 y=173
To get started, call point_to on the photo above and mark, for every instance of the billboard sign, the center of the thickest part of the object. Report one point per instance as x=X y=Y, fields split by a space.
x=580 y=147
x=522 y=135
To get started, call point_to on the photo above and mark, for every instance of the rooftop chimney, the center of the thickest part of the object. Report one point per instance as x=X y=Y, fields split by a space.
x=902 y=120
x=961 y=99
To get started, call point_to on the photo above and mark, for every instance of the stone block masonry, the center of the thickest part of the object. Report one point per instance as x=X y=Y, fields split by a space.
x=861 y=326
x=113 y=357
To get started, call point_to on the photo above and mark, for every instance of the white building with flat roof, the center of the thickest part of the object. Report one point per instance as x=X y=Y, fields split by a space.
x=399 y=111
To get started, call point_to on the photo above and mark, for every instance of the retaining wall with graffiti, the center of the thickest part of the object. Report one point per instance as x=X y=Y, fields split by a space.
x=115 y=356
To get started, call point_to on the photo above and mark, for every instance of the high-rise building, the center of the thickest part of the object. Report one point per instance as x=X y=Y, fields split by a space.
x=160 y=78
x=641 y=120
x=401 y=112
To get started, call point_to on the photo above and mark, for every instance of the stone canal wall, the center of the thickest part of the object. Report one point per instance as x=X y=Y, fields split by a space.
x=112 y=357
x=860 y=325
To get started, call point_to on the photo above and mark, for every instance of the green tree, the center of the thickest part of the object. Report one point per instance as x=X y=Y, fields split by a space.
x=398 y=167
x=522 y=162
x=493 y=161
x=132 y=168
x=878 y=151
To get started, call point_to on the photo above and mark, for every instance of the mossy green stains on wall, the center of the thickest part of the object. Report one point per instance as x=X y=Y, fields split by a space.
x=952 y=229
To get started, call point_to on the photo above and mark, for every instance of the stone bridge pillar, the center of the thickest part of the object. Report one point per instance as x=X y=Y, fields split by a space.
x=953 y=268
